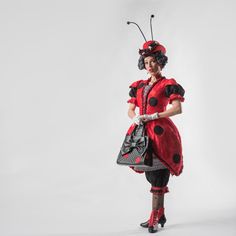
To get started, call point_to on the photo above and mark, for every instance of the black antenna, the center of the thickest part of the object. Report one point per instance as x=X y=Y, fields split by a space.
x=152 y=16
x=130 y=22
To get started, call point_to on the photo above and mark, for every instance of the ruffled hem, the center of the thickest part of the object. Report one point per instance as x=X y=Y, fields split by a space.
x=176 y=96
x=133 y=100
x=135 y=84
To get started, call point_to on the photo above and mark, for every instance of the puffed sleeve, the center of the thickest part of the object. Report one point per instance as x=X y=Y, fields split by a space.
x=133 y=92
x=173 y=91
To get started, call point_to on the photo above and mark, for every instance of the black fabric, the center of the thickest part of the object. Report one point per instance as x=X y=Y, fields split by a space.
x=140 y=85
x=176 y=158
x=133 y=92
x=176 y=89
x=158 y=130
x=158 y=178
x=153 y=101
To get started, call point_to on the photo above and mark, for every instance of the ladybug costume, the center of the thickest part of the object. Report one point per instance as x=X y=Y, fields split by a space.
x=166 y=141
x=152 y=98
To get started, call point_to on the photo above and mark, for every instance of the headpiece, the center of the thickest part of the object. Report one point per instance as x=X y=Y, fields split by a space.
x=151 y=46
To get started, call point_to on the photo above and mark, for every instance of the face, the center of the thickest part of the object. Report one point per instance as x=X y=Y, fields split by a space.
x=152 y=66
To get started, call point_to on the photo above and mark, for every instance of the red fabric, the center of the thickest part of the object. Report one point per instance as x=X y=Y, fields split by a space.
x=153 y=220
x=176 y=96
x=166 y=144
x=159 y=190
x=161 y=212
x=135 y=84
x=137 y=171
x=133 y=100
x=155 y=216
x=126 y=155
x=158 y=48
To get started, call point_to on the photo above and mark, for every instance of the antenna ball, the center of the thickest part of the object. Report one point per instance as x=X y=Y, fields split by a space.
x=152 y=16
x=128 y=22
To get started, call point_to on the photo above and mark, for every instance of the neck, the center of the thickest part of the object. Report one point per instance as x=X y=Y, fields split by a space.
x=155 y=77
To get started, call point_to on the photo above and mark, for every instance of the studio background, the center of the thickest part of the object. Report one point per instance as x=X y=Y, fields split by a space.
x=65 y=71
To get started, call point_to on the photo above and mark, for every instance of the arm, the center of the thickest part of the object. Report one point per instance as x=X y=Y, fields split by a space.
x=131 y=110
x=174 y=110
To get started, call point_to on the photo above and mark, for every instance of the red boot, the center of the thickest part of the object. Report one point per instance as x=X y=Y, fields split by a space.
x=161 y=217
x=160 y=191
x=153 y=222
x=156 y=216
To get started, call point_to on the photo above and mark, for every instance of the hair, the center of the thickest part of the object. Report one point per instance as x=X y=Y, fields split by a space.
x=161 y=59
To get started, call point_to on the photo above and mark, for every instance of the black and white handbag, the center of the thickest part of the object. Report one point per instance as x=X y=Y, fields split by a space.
x=134 y=150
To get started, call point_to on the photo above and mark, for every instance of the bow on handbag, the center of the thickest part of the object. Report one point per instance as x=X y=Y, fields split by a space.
x=132 y=142
x=134 y=149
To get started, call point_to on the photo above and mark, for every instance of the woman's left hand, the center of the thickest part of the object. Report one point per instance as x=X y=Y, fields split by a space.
x=149 y=117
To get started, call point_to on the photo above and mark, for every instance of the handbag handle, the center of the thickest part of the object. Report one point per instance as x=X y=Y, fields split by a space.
x=139 y=130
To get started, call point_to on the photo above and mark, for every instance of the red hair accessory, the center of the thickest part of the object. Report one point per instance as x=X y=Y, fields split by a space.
x=151 y=46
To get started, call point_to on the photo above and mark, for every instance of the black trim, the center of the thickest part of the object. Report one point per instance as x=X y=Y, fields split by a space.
x=133 y=92
x=174 y=89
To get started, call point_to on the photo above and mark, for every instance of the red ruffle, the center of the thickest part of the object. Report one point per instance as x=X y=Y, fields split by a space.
x=133 y=100
x=176 y=96
x=159 y=190
x=171 y=82
x=135 y=84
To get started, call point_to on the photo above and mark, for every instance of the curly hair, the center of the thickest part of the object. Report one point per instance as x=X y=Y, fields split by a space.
x=159 y=56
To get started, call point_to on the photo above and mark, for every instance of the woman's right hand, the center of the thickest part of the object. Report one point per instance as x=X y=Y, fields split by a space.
x=149 y=117
x=137 y=119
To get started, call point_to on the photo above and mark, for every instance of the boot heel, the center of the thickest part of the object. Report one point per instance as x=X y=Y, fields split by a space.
x=162 y=221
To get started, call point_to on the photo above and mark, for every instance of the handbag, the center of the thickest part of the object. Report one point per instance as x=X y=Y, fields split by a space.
x=134 y=150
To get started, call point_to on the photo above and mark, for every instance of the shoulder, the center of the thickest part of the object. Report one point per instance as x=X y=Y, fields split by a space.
x=172 y=86
x=137 y=84
x=170 y=81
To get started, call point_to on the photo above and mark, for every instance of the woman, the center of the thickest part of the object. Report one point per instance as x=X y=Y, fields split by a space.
x=152 y=96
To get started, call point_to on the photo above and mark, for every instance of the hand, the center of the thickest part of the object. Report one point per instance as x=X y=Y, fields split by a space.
x=137 y=119
x=146 y=117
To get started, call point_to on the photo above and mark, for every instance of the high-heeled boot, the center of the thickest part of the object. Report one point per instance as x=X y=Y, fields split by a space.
x=158 y=203
x=153 y=222
x=161 y=219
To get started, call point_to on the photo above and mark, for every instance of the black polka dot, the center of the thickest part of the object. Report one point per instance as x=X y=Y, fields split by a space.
x=153 y=101
x=176 y=158
x=140 y=85
x=158 y=130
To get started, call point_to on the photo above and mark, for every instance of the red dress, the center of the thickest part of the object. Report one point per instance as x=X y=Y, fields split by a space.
x=166 y=141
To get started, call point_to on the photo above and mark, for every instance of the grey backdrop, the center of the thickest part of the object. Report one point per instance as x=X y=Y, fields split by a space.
x=65 y=71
